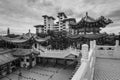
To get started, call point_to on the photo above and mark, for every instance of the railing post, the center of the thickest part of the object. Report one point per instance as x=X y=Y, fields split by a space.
x=117 y=43
x=94 y=43
x=84 y=52
x=91 y=44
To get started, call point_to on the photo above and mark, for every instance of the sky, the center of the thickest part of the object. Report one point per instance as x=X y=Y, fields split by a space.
x=22 y=15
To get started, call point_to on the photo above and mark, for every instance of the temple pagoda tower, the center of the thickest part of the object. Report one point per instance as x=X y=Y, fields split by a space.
x=89 y=25
x=8 y=31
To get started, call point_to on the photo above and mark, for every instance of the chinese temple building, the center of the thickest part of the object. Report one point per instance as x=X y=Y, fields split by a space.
x=88 y=25
x=62 y=46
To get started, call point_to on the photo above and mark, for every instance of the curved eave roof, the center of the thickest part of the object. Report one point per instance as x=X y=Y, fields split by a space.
x=22 y=52
x=94 y=36
x=6 y=57
x=100 y=22
x=25 y=40
x=14 y=40
x=42 y=39
x=87 y=36
x=75 y=36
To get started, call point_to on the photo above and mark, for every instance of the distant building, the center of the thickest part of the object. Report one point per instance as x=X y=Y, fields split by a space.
x=39 y=29
x=62 y=24
x=66 y=23
x=61 y=17
x=48 y=23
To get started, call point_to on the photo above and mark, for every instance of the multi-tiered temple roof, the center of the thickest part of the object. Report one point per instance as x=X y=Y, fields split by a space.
x=89 y=23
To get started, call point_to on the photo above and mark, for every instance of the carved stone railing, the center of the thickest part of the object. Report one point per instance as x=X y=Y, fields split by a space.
x=103 y=51
x=49 y=52
x=86 y=69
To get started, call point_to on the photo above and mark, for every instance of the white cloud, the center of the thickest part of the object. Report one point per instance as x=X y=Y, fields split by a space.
x=23 y=14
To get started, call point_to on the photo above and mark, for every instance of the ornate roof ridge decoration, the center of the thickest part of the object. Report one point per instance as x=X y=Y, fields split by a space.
x=88 y=21
x=88 y=18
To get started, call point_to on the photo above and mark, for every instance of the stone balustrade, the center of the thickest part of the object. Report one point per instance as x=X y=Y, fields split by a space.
x=108 y=51
x=86 y=70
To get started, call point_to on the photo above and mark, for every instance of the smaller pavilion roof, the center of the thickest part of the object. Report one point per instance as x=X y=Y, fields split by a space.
x=23 y=39
x=42 y=39
x=22 y=52
x=6 y=57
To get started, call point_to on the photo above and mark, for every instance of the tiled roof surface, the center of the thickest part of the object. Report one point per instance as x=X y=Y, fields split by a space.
x=22 y=52
x=89 y=19
x=6 y=57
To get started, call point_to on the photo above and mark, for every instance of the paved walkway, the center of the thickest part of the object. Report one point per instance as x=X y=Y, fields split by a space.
x=107 y=69
x=42 y=73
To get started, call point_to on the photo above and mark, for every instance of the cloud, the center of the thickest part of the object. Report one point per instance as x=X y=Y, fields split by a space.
x=24 y=14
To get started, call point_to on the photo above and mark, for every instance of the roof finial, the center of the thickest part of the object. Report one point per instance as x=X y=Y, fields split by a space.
x=86 y=13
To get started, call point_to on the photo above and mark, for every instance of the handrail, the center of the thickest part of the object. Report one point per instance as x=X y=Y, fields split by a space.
x=85 y=65
x=81 y=71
